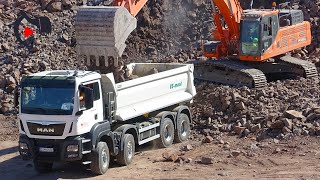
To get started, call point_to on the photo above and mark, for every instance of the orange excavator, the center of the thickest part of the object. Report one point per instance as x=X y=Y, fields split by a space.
x=250 y=45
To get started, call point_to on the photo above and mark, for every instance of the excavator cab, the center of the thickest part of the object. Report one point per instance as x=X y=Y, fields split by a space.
x=268 y=33
x=258 y=30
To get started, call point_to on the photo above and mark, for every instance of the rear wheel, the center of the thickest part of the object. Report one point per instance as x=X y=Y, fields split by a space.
x=125 y=157
x=42 y=167
x=100 y=158
x=166 y=133
x=183 y=128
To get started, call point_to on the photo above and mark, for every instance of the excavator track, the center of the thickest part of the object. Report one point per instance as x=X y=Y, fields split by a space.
x=252 y=74
x=230 y=72
x=301 y=67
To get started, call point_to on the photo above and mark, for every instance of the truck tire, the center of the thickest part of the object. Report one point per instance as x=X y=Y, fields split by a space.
x=125 y=157
x=42 y=167
x=100 y=158
x=166 y=133
x=183 y=128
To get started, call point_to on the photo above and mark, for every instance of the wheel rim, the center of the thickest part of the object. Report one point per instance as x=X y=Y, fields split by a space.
x=184 y=128
x=104 y=158
x=130 y=149
x=167 y=133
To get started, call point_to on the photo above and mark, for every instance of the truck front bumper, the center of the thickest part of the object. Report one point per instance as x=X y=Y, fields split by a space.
x=69 y=149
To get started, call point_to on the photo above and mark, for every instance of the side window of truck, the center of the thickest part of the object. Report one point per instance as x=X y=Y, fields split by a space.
x=96 y=93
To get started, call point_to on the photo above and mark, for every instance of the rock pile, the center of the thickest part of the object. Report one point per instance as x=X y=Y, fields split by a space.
x=278 y=110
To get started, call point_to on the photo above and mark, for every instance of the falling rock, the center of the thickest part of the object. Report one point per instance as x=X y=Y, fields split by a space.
x=294 y=114
x=206 y=160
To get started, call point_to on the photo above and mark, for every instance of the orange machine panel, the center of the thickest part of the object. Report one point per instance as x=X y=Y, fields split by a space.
x=288 y=38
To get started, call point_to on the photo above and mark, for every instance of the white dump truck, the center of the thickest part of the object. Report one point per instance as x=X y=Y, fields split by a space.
x=85 y=116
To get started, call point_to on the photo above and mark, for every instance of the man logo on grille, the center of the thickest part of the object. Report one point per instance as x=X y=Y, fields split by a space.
x=45 y=130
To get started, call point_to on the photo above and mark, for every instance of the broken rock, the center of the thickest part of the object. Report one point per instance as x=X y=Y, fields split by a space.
x=171 y=156
x=208 y=139
x=292 y=114
x=206 y=160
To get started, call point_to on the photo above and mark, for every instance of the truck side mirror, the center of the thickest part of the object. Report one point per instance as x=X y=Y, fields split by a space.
x=87 y=97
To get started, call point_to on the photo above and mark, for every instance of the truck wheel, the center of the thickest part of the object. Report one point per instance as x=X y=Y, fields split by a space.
x=42 y=167
x=183 y=128
x=125 y=157
x=166 y=133
x=100 y=158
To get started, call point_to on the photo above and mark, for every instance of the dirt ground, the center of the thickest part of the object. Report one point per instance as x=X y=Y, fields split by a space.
x=294 y=159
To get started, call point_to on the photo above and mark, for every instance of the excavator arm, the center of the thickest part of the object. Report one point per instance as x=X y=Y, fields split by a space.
x=101 y=31
x=230 y=11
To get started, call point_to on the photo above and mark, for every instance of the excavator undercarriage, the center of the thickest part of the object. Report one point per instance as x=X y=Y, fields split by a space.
x=253 y=74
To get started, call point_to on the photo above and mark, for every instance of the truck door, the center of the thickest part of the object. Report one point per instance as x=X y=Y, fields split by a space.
x=96 y=112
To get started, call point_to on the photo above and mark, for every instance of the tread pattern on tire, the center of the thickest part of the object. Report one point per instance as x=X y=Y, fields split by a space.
x=121 y=159
x=177 y=138
x=159 y=141
x=95 y=164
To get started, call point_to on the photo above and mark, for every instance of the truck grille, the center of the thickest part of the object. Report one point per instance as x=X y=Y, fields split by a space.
x=48 y=130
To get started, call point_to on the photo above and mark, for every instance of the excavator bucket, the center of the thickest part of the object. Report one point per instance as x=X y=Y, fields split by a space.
x=101 y=33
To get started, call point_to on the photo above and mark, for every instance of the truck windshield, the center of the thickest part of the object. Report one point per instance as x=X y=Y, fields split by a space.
x=49 y=97
x=250 y=37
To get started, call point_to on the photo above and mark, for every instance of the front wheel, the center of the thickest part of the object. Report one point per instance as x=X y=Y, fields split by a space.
x=183 y=128
x=166 y=133
x=125 y=157
x=100 y=158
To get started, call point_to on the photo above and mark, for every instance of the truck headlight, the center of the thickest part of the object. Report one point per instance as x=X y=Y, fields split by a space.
x=73 y=148
x=23 y=146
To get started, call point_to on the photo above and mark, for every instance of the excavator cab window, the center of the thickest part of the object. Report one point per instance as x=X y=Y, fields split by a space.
x=250 y=33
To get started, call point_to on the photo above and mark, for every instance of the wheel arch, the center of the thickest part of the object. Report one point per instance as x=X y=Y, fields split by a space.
x=127 y=129
x=167 y=114
x=102 y=132
x=182 y=109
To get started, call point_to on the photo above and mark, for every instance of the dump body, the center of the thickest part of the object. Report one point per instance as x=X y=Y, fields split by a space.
x=172 y=84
